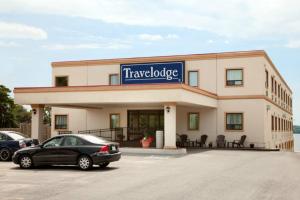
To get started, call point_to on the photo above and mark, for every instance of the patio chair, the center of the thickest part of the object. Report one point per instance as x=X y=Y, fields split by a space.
x=239 y=143
x=202 y=141
x=183 y=141
x=221 y=142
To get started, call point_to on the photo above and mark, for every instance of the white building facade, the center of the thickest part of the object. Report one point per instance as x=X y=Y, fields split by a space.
x=231 y=94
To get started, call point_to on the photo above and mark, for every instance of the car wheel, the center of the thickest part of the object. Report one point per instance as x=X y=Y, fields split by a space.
x=26 y=162
x=85 y=162
x=103 y=165
x=5 y=154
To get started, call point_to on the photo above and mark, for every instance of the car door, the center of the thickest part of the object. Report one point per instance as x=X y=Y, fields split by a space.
x=71 y=146
x=50 y=152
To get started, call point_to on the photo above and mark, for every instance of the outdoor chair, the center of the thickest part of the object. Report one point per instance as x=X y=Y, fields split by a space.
x=183 y=141
x=239 y=143
x=221 y=142
x=202 y=141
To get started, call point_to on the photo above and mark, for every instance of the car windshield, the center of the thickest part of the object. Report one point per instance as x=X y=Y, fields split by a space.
x=94 y=139
x=15 y=135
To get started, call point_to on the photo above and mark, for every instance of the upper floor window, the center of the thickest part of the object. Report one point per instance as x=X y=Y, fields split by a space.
x=234 y=121
x=272 y=83
x=61 y=122
x=193 y=78
x=114 y=79
x=61 y=81
x=267 y=79
x=234 y=77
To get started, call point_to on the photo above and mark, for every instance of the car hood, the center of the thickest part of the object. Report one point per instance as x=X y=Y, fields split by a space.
x=27 y=149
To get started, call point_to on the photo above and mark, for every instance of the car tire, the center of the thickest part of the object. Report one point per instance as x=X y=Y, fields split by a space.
x=85 y=162
x=5 y=154
x=103 y=165
x=25 y=162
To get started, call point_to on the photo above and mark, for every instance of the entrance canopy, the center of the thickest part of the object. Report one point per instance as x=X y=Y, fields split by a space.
x=89 y=96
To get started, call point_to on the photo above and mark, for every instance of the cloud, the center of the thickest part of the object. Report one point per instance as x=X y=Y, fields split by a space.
x=21 y=31
x=150 y=37
x=156 y=37
x=112 y=45
x=294 y=44
x=9 y=44
x=233 y=19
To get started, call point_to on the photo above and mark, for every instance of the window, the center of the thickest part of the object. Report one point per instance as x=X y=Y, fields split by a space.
x=3 y=137
x=275 y=86
x=61 y=81
x=267 y=79
x=272 y=122
x=193 y=121
x=55 y=142
x=193 y=78
x=234 y=121
x=272 y=80
x=61 y=122
x=114 y=120
x=72 y=141
x=234 y=77
x=114 y=79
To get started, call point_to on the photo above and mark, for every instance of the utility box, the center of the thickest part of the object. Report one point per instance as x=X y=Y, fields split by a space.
x=159 y=139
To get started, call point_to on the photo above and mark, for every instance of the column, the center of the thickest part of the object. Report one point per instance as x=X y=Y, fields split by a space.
x=37 y=121
x=170 y=126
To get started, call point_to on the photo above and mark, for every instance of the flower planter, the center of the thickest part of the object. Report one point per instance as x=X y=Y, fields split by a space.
x=146 y=142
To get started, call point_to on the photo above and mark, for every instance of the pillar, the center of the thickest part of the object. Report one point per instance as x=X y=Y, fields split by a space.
x=170 y=126
x=37 y=121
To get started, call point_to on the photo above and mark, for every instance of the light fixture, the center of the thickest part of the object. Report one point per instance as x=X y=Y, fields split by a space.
x=34 y=111
x=168 y=109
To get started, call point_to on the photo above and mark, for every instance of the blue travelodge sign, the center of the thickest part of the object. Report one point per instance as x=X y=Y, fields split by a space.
x=165 y=72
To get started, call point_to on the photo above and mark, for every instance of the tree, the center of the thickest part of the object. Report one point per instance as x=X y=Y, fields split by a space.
x=11 y=115
x=7 y=118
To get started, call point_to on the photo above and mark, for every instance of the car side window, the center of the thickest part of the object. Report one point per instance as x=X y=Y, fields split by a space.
x=3 y=137
x=55 y=142
x=72 y=141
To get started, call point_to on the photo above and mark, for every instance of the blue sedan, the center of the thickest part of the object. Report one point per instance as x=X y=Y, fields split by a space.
x=11 y=141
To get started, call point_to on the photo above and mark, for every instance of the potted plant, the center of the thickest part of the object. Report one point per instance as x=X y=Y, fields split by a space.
x=147 y=139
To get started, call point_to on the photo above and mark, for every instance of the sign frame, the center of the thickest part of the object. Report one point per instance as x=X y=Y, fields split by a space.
x=150 y=82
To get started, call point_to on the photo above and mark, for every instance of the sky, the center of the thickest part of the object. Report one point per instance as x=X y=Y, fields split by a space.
x=34 y=33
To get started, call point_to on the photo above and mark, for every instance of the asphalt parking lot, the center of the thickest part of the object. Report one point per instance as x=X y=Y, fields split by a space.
x=198 y=175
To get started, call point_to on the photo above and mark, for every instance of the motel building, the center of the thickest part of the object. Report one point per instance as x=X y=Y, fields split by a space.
x=230 y=94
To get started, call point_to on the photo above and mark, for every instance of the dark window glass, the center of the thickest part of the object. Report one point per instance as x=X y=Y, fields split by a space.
x=55 y=142
x=267 y=79
x=234 y=121
x=114 y=120
x=61 y=121
x=3 y=137
x=61 y=81
x=193 y=121
x=234 y=77
x=72 y=141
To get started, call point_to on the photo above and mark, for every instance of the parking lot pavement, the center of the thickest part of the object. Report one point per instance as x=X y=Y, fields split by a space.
x=199 y=175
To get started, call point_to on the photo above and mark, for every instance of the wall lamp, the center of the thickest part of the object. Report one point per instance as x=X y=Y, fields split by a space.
x=168 y=109
x=34 y=111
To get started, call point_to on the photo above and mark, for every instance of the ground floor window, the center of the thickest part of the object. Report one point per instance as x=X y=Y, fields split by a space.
x=234 y=121
x=114 y=120
x=61 y=122
x=193 y=121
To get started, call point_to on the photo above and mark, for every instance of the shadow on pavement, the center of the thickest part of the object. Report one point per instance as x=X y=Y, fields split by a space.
x=65 y=168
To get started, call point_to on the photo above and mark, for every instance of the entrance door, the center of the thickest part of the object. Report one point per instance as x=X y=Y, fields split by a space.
x=141 y=122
